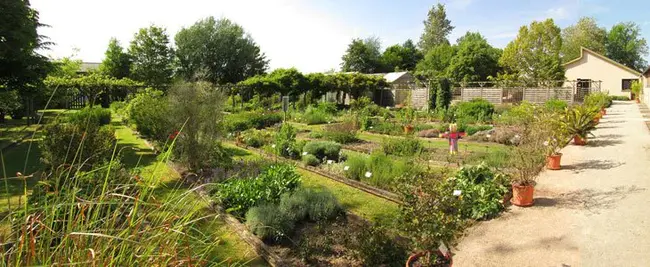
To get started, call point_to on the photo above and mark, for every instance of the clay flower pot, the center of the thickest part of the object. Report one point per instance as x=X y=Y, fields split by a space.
x=638 y=101
x=578 y=141
x=522 y=195
x=553 y=161
x=408 y=129
x=597 y=120
x=603 y=111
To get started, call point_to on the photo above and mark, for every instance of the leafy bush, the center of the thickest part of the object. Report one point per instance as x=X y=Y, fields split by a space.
x=402 y=146
x=482 y=191
x=555 y=105
x=285 y=142
x=619 y=97
x=310 y=160
x=66 y=143
x=344 y=133
x=316 y=134
x=268 y=222
x=472 y=129
x=476 y=110
x=517 y=115
x=96 y=115
x=313 y=116
x=376 y=247
x=383 y=170
x=120 y=108
x=256 y=138
x=361 y=103
x=387 y=128
x=246 y=120
x=307 y=204
x=323 y=150
x=149 y=111
x=597 y=100
x=355 y=167
x=239 y=195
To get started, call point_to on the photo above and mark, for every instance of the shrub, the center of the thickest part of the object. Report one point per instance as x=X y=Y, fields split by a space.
x=344 y=133
x=476 y=110
x=256 y=138
x=313 y=116
x=387 y=128
x=285 y=142
x=402 y=146
x=316 y=135
x=597 y=100
x=246 y=120
x=323 y=150
x=268 y=222
x=555 y=105
x=310 y=160
x=65 y=143
x=517 y=115
x=472 y=129
x=376 y=247
x=384 y=170
x=149 y=111
x=482 y=191
x=356 y=167
x=120 y=108
x=360 y=103
x=95 y=115
x=619 y=97
x=309 y=204
x=239 y=195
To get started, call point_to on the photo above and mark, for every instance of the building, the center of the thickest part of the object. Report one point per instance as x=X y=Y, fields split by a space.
x=87 y=67
x=615 y=78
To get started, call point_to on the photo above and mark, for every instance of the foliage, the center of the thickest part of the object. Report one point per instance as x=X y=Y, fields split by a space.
x=383 y=170
x=387 y=128
x=436 y=61
x=218 y=51
x=517 y=115
x=475 y=59
x=65 y=67
x=323 y=150
x=585 y=33
x=197 y=113
x=343 y=133
x=9 y=101
x=285 y=142
x=152 y=57
x=472 y=129
x=361 y=103
x=429 y=210
x=636 y=88
x=149 y=111
x=310 y=160
x=535 y=54
x=362 y=56
x=401 y=57
x=443 y=93
x=257 y=138
x=436 y=29
x=529 y=158
x=313 y=116
x=619 y=97
x=377 y=247
x=580 y=120
x=247 y=120
x=555 y=105
x=402 y=146
x=355 y=167
x=268 y=222
x=239 y=195
x=117 y=63
x=308 y=204
x=406 y=115
x=476 y=110
x=92 y=85
x=76 y=144
x=482 y=191
x=597 y=100
x=626 y=45
x=91 y=115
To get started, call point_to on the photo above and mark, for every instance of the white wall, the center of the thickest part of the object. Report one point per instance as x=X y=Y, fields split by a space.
x=597 y=69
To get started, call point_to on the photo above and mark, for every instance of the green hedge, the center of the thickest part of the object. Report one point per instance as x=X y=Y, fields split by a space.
x=323 y=150
x=247 y=120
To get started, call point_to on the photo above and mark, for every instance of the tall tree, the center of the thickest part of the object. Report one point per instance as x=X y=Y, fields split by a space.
x=152 y=57
x=362 y=56
x=626 y=46
x=436 y=61
x=401 y=57
x=218 y=51
x=117 y=63
x=585 y=33
x=475 y=59
x=436 y=29
x=535 y=54
x=21 y=68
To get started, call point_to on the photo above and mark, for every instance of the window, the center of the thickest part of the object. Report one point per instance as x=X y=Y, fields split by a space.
x=584 y=83
x=627 y=84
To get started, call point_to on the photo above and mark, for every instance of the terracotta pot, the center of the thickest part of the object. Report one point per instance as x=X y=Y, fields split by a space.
x=597 y=120
x=603 y=111
x=522 y=196
x=553 y=161
x=638 y=101
x=408 y=129
x=577 y=140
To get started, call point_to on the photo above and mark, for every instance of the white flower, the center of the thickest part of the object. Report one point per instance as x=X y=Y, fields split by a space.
x=273 y=146
x=368 y=174
x=457 y=192
x=371 y=127
x=329 y=161
x=304 y=153
x=346 y=168
x=545 y=143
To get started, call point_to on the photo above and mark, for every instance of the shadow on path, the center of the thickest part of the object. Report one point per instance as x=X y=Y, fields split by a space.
x=603 y=143
x=542 y=242
x=592 y=165
x=611 y=136
x=613 y=122
x=588 y=199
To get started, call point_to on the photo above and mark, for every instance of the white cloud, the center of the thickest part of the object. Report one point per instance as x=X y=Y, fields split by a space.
x=290 y=33
x=558 y=13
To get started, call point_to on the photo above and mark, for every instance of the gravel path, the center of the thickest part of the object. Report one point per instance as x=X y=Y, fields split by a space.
x=593 y=212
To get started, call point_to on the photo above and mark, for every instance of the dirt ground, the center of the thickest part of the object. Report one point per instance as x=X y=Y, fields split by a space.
x=593 y=212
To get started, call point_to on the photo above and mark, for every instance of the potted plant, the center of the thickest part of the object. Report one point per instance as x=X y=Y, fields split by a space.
x=528 y=160
x=580 y=122
x=407 y=116
x=636 y=90
x=553 y=146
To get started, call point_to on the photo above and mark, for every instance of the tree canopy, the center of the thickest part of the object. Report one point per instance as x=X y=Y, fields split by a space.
x=585 y=33
x=626 y=46
x=535 y=54
x=218 y=51
x=436 y=28
x=117 y=63
x=436 y=61
x=152 y=57
x=401 y=57
x=475 y=59
x=91 y=85
x=362 y=56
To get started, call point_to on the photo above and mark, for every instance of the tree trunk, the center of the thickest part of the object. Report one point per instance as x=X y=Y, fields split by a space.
x=2 y=117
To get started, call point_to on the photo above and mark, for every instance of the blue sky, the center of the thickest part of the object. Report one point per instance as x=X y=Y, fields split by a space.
x=312 y=35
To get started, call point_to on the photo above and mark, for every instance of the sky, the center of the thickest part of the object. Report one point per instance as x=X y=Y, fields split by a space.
x=311 y=35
